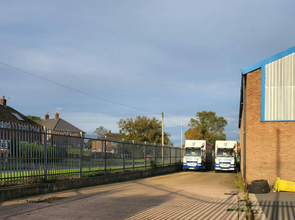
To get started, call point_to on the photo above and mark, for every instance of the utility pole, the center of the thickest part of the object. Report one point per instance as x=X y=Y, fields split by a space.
x=163 y=138
x=181 y=132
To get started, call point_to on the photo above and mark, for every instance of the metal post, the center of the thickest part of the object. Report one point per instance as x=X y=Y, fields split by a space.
x=170 y=154
x=181 y=132
x=105 y=156
x=144 y=155
x=81 y=157
x=162 y=137
x=163 y=158
x=133 y=155
x=155 y=150
x=45 y=153
x=123 y=151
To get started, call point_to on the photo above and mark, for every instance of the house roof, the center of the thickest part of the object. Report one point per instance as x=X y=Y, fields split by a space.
x=6 y=114
x=112 y=135
x=268 y=60
x=59 y=124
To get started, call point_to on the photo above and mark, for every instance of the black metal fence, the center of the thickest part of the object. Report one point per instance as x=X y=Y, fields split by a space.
x=34 y=154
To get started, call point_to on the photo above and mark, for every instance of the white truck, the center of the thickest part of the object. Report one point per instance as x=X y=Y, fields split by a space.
x=226 y=156
x=197 y=155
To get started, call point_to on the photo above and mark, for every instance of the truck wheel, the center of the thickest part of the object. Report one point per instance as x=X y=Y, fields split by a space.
x=184 y=169
x=216 y=171
x=259 y=182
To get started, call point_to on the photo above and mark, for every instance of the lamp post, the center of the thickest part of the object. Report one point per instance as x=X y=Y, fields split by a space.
x=181 y=135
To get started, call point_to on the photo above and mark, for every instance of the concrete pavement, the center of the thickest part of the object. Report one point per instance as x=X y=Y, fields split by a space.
x=182 y=195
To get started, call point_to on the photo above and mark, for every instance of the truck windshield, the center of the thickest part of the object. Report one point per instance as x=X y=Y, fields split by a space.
x=225 y=153
x=192 y=152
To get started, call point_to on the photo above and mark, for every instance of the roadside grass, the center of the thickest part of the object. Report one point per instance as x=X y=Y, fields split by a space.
x=8 y=167
x=96 y=162
x=86 y=172
x=71 y=170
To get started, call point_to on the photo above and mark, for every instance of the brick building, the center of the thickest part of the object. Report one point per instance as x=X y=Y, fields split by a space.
x=98 y=146
x=267 y=118
x=59 y=131
x=16 y=126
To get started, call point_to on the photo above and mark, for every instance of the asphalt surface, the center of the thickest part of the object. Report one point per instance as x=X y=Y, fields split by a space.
x=183 y=195
x=277 y=205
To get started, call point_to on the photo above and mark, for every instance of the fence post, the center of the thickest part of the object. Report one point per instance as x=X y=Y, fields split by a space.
x=105 y=155
x=163 y=158
x=170 y=154
x=155 y=153
x=123 y=151
x=132 y=155
x=144 y=155
x=45 y=153
x=81 y=157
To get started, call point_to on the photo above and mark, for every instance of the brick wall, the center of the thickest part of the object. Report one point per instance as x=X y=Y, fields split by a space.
x=270 y=148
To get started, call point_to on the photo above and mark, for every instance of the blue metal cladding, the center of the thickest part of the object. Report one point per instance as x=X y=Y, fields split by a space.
x=262 y=102
x=262 y=65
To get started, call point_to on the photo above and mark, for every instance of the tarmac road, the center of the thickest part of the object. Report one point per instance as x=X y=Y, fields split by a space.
x=182 y=195
x=277 y=205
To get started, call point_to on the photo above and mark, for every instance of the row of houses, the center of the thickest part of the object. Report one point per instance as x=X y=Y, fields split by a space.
x=14 y=120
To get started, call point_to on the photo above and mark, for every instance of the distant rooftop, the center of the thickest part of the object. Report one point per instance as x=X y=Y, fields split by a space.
x=9 y=114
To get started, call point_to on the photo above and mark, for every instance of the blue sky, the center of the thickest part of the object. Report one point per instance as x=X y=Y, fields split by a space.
x=176 y=57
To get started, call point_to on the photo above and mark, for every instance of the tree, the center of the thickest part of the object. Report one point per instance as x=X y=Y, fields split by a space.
x=214 y=124
x=198 y=133
x=100 y=131
x=36 y=119
x=143 y=129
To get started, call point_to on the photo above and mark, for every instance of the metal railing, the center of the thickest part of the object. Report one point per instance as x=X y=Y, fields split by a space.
x=34 y=154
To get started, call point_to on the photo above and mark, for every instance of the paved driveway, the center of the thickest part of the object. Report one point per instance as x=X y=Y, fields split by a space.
x=183 y=195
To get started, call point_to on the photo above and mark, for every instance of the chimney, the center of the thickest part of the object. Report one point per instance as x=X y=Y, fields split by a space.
x=3 y=101
x=56 y=116
x=109 y=131
x=46 y=116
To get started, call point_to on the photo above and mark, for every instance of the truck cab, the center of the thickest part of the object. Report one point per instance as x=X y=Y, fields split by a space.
x=225 y=156
x=195 y=155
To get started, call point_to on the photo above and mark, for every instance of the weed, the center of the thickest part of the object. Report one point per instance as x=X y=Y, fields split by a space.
x=272 y=188
x=153 y=164
x=250 y=213
x=49 y=200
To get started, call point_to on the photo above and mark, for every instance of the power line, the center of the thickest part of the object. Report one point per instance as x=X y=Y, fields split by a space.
x=172 y=122
x=82 y=92
x=76 y=90
x=67 y=110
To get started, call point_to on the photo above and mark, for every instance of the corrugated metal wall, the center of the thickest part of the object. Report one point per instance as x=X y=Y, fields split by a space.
x=279 y=89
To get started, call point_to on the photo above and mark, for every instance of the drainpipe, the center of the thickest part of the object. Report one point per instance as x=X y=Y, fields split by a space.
x=244 y=127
